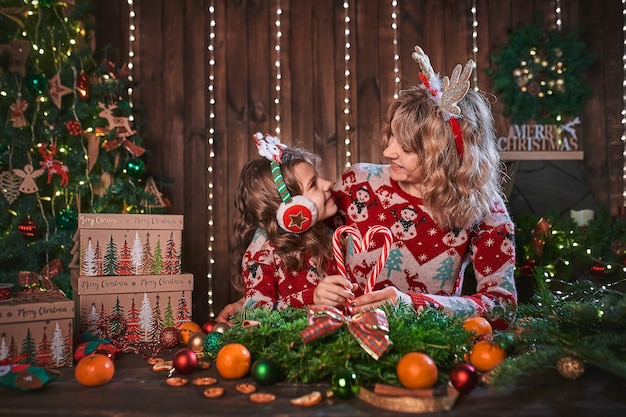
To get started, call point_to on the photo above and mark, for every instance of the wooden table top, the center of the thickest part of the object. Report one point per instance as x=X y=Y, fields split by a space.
x=137 y=391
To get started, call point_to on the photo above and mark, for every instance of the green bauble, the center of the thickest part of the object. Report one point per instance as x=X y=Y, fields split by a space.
x=265 y=371
x=212 y=343
x=36 y=82
x=135 y=167
x=67 y=219
x=344 y=384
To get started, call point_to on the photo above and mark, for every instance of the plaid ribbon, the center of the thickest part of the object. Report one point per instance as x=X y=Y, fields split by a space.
x=132 y=147
x=370 y=329
x=43 y=279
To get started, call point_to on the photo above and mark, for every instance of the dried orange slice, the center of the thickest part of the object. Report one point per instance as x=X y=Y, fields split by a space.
x=308 y=400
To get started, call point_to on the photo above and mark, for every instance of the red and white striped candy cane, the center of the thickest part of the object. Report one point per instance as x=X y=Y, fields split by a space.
x=338 y=246
x=384 y=254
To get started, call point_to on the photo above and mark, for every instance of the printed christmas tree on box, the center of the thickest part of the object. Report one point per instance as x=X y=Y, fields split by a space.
x=37 y=329
x=130 y=244
x=131 y=310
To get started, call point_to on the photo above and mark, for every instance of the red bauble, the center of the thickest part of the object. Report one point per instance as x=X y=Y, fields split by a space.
x=83 y=86
x=185 y=361
x=28 y=228
x=208 y=326
x=169 y=337
x=464 y=377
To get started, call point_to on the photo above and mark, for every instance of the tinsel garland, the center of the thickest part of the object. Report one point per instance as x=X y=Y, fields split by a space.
x=540 y=74
x=581 y=319
x=278 y=337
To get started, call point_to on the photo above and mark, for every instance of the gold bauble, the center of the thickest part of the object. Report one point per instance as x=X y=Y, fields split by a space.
x=196 y=342
x=570 y=367
x=220 y=327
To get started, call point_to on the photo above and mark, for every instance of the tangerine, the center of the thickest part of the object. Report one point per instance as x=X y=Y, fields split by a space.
x=94 y=369
x=417 y=370
x=186 y=329
x=478 y=325
x=486 y=355
x=233 y=361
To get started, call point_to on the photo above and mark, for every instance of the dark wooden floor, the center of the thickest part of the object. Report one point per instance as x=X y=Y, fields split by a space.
x=138 y=391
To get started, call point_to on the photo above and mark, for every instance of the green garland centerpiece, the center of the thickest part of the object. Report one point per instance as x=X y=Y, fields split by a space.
x=278 y=336
x=540 y=74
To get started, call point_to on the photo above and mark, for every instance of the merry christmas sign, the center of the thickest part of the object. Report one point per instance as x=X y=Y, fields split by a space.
x=535 y=141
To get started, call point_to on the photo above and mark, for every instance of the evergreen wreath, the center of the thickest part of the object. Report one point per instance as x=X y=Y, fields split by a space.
x=540 y=74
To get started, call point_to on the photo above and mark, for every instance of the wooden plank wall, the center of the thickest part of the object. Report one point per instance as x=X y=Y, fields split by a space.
x=172 y=70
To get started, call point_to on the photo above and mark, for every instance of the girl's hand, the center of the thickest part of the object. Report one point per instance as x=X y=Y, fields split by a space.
x=334 y=290
x=229 y=311
x=377 y=298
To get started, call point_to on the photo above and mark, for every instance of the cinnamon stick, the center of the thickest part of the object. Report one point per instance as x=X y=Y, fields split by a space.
x=394 y=391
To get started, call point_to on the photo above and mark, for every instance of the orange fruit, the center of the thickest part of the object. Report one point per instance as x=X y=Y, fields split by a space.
x=94 y=370
x=233 y=361
x=486 y=355
x=186 y=329
x=478 y=325
x=417 y=370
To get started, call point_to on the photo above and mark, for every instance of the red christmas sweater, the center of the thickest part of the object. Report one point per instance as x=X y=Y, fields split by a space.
x=270 y=284
x=425 y=261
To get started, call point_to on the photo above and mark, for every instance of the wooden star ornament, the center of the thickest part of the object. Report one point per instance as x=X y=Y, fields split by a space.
x=56 y=90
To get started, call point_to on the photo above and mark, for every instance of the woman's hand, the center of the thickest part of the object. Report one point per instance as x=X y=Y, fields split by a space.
x=333 y=291
x=375 y=299
x=229 y=311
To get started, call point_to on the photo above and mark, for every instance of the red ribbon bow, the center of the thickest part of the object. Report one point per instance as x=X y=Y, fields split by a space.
x=44 y=278
x=130 y=146
x=370 y=329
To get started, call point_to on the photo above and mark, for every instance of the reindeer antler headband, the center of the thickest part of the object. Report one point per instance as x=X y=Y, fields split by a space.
x=446 y=92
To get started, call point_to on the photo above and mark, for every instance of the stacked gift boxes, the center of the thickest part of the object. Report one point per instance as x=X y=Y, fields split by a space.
x=37 y=328
x=129 y=284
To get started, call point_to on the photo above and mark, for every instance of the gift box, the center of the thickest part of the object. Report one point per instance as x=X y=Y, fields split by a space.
x=130 y=244
x=36 y=328
x=131 y=310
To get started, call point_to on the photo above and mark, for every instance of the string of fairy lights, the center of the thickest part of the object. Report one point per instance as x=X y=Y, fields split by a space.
x=474 y=11
x=396 y=55
x=211 y=152
x=131 y=51
x=279 y=34
x=346 y=86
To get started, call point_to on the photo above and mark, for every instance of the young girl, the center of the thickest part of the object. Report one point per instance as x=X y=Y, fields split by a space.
x=283 y=248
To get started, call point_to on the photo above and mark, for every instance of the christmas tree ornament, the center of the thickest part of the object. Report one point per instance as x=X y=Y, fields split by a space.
x=53 y=166
x=207 y=326
x=17 y=112
x=464 y=377
x=83 y=86
x=135 y=167
x=36 y=82
x=196 y=342
x=221 y=327
x=9 y=185
x=185 y=361
x=120 y=124
x=266 y=371
x=597 y=269
x=56 y=90
x=28 y=175
x=28 y=229
x=67 y=219
x=212 y=343
x=570 y=367
x=344 y=384
x=169 y=337
x=73 y=128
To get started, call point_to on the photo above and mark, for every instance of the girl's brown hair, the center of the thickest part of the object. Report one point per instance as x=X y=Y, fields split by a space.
x=257 y=202
x=457 y=191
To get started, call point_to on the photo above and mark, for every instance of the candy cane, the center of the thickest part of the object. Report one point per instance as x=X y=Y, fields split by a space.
x=384 y=254
x=337 y=245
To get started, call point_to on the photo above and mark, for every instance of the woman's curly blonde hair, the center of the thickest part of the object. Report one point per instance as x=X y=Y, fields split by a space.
x=257 y=202
x=457 y=191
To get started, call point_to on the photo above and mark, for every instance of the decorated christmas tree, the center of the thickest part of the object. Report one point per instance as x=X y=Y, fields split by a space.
x=69 y=141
